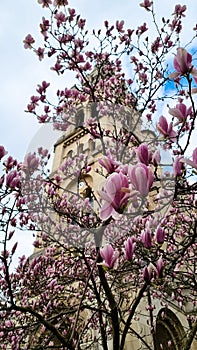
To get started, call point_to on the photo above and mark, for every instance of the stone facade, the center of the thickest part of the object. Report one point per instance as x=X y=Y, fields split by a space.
x=78 y=140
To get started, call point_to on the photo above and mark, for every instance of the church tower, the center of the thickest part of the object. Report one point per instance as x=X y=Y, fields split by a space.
x=79 y=141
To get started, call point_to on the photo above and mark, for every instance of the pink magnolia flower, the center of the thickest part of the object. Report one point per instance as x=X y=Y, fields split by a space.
x=40 y=53
x=165 y=129
x=146 y=4
x=129 y=246
x=193 y=162
x=180 y=112
x=43 y=152
x=10 y=163
x=151 y=270
x=159 y=235
x=178 y=166
x=141 y=29
x=13 y=179
x=141 y=177
x=182 y=61
x=87 y=66
x=183 y=64
x=72 y=14
x=60 y=18
x=146 y=237
x=143 y=153
x=179 y=10
x=57 y=67
x=194 y=156
x=60 y=2
x=28 y=41
x=109 y=255
x=3 y=152
x=159 y=266
x=156 y=157
x=115 y=194
x=119 y=26
x=109 y=163
x=81 y=23
x=148 y=272
x=42 y=89
x=45 y=3
x=31 y=163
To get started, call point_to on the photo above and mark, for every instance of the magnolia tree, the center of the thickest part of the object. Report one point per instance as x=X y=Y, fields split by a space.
x=111 y=265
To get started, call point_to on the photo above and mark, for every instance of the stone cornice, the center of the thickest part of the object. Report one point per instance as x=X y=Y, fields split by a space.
x=68 y=139
x=76 y=135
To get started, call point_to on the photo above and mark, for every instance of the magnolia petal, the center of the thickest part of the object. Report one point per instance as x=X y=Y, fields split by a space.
x=194 y=74
x=105 y=196
x=189 y=162
x=174 y=75
x=106 y=211
x=182 y=61
x=194 y=90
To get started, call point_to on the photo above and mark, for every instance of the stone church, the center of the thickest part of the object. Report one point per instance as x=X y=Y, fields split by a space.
x=77 y=140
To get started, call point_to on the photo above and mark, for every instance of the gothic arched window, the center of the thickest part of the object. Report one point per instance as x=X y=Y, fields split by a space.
x=169 y=331
x=79 y=118
x=91 y=146
x=94 y=111
x=70 y=154
x=80 y=148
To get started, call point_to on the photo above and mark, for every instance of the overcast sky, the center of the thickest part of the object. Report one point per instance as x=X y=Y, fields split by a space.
x=20 y=70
